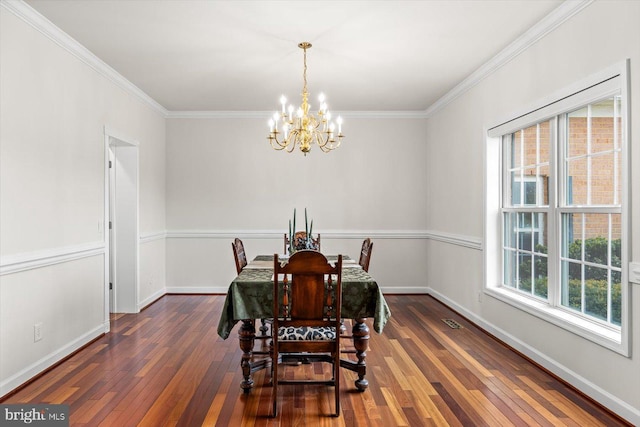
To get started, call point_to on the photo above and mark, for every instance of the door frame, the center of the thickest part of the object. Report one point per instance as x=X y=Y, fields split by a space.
x=115 y=142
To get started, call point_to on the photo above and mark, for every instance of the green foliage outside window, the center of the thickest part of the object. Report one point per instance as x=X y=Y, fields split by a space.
x=595 y=287
x=540 y=273
x=596 y=299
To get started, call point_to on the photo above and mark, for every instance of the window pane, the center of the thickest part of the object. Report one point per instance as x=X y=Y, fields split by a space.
x=616 y=297
x=510 y=232
x=593 y=150
x=595 y=292
x=530 y=193
x=596 y=243
x=510 y=263
x=525 y=231
x=571 y=290
x=540 y=274
x=576 y=185
x=604 y=183
x=530 y=146
x=577 y=132
x=516 y=150
x=516 y=200
x=616 y=240
x=543 y=181
x=527 y=154
x=604 y=114
x=571 y=236
x=590 y=284
x=524 y=270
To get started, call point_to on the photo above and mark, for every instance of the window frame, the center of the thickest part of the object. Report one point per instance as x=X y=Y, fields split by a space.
x=608 y=82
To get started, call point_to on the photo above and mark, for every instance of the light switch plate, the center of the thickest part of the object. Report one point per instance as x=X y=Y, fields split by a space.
x=634 y=272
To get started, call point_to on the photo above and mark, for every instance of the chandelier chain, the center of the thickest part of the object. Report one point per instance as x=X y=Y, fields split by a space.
x=304 y=73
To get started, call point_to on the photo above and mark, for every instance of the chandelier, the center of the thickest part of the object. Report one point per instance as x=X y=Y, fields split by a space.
x=304 y=129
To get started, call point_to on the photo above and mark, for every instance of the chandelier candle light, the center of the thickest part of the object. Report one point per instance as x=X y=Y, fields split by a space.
x=304 y=128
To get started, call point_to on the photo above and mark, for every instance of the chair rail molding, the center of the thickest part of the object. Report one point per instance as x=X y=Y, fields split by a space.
x=31 y=260
x=152 y=236
x=470 y=242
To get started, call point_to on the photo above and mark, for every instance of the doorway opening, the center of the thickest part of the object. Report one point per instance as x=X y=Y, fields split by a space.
x=121 y=217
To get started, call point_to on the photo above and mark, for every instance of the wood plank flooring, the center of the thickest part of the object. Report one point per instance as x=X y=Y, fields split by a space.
x=167 y=366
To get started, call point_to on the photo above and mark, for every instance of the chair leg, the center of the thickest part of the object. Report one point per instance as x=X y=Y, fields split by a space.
x=336 y=379
x=274 y=382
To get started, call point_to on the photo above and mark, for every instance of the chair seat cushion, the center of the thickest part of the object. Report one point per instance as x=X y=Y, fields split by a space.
x=306 y=333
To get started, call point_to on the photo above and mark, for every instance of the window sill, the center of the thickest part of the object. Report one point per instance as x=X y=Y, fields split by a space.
x=599 y=334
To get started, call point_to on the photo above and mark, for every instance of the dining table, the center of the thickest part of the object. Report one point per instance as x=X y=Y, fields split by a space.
x=250 y=297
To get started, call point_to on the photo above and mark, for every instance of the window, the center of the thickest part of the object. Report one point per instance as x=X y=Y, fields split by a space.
x=526 y=172
x=557 y=245
x=591 y=210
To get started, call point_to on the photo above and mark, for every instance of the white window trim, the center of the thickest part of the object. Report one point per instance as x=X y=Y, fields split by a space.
x=611 y=81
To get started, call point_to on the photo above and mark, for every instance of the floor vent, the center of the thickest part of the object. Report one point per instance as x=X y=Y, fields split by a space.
x=452 y=323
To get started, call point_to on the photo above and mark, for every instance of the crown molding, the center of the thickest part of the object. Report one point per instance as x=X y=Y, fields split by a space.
x=219 y=114
x=406 y=114
x=549 y=23
x=62 y=39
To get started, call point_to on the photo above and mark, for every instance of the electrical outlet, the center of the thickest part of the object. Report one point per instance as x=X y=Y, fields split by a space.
x=479 y=296
x=37 y=332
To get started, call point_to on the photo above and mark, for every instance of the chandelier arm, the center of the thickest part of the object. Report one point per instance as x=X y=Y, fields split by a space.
x=288 y=143
x=320 y=140
x=273 y=137
x=292 y=141
x=324 y=147
x=278 y=147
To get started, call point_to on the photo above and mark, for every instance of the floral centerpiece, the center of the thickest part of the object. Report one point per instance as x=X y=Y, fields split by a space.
x=299 y=240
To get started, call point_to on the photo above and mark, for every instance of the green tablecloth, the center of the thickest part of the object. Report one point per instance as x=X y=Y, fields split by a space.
x=250 y=296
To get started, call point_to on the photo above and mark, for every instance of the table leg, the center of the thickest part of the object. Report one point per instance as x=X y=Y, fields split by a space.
x=247 y=335
x=360 y=332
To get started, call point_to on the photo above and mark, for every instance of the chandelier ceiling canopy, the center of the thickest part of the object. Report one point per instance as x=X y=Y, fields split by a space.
x=304 y=128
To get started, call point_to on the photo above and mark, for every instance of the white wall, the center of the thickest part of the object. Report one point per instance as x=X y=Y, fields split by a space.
x=604 y=33
x=414 y=185
x=224 y=180
x=53 y=110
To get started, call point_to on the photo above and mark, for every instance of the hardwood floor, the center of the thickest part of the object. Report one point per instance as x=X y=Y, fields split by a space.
x=167 y=366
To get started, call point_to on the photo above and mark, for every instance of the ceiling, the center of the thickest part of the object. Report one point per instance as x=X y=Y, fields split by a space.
x=198 y=55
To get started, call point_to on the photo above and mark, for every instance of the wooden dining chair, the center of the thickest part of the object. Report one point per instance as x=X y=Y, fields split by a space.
x=239 y=254
x=299 y=237
x=240 y=257
x=307 y=299
x=365 y=254
x=365 y=258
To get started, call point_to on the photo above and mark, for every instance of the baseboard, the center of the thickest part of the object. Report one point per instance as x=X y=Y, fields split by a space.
x=580 y=383
x=48 y=361
x=196 y=290
x=406 y=290
x=151 y=299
